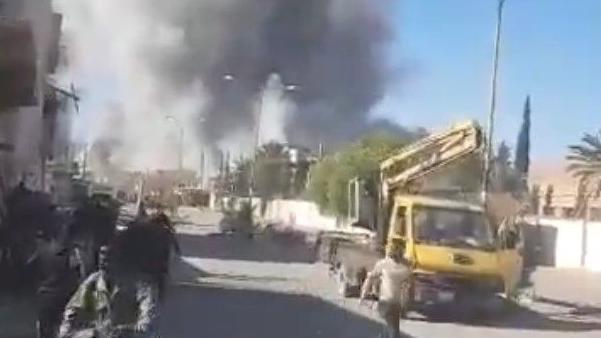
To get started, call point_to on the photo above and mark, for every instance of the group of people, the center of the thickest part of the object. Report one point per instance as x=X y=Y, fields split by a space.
x=97 y=285
x=121 y=298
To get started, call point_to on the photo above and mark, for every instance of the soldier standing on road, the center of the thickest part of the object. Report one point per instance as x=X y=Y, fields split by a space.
x=120 y=300
x=393 y=274
x=166 y=236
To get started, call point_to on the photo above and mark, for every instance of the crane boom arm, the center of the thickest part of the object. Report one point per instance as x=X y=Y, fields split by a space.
x=430 y=154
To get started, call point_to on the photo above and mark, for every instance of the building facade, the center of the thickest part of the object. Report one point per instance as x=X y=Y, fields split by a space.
x=558 y=195
x=30 y=33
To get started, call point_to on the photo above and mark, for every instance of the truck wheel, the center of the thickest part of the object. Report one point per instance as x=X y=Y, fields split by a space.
x=345 y=289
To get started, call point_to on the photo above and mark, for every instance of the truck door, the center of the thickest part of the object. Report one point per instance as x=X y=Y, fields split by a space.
x=398 y=225
x=510 y=245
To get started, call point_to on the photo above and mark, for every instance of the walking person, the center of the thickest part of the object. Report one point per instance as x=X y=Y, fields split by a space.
x=58 y=278
x=166 y=237
x=391 y=276
x=120 y=300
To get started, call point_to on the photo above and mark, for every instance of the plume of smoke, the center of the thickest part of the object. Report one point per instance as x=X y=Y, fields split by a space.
x=275 y=110
x=170 y=57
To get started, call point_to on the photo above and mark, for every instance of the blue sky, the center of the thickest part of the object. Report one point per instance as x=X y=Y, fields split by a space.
x=551 y=49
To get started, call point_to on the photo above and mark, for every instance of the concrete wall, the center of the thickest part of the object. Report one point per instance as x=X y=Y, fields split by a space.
x=563 y=239
x=299 y=214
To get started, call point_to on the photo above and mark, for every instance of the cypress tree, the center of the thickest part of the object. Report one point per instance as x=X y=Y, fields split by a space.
x=522 y=153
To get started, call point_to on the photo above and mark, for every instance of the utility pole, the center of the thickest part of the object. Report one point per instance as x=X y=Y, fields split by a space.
x=84 y=166
x=493 y=104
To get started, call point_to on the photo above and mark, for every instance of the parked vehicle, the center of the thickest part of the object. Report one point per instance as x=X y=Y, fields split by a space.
x=454 y=249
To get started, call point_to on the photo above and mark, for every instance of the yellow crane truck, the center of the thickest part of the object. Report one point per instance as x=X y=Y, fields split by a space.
x=453 y=245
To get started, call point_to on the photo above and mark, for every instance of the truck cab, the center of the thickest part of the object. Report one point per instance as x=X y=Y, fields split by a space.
x=454 y=251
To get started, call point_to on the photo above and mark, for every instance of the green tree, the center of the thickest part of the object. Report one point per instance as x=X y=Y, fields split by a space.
x=504 y=177
x=272 y=171
x=319 y=178
x=522 y=152
x=328 y=186
x=300 y=173
x=547 y=207
x=535 y=198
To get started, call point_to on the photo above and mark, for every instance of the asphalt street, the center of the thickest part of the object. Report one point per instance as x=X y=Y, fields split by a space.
x=234 y=287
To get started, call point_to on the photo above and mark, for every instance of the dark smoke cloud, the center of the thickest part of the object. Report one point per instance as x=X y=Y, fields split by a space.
x=332 y=49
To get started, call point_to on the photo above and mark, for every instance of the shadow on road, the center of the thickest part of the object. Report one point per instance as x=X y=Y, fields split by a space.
x=518 y=317
x=194 y=224
x=191 y=274
x=527 y=319
x=575 y=308
x=259 y=249
x=196 y=309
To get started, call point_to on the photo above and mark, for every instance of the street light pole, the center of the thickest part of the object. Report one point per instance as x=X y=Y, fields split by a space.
x=84 y=166
x=493 y=104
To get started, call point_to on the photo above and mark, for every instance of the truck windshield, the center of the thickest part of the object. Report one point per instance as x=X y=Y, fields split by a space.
x=451 y=227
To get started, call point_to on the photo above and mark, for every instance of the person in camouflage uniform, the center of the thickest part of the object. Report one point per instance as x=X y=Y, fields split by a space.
x=121 y=299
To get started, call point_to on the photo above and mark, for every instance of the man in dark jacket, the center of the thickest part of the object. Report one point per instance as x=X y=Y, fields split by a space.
x=57 y=273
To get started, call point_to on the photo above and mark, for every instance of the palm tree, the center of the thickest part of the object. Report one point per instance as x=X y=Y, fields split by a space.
x=585 y=165
x=272 y=172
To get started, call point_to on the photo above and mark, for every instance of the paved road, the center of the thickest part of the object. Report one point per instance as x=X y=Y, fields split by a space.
x=239 y=288
x=228 y=287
